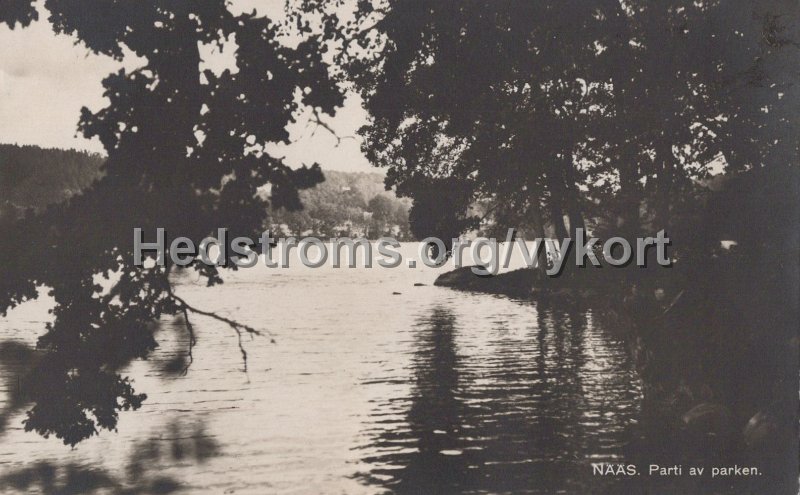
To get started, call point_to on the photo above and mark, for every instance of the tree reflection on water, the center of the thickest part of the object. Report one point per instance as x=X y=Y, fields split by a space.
x=521 y=412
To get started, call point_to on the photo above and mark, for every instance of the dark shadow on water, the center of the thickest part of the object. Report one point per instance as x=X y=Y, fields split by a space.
x=527 y=414
x=17 y=361
x=179 y=442
x=172 y=358
x=428 y=456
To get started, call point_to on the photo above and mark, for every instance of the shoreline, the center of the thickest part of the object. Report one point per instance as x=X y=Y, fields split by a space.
x=517 y=284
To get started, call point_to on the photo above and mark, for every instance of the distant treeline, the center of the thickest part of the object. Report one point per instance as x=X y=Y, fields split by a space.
x=34 y=177
x=347 y=203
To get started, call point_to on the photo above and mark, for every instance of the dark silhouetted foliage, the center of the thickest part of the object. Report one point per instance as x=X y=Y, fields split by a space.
x=17 y=11
x=184 y=152
x=571 y=112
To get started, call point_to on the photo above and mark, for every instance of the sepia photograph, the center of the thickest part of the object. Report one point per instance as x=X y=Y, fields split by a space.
x=421 y=247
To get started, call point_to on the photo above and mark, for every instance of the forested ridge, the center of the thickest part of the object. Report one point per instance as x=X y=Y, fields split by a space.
x=34 y=177
x=345 y=203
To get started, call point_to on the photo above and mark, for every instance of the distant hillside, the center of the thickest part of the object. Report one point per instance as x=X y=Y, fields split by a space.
x=34 y=177
x=346 y=204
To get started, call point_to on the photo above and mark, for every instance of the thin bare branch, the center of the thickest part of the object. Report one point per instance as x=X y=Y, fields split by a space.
x=239 y=328
x=317 y=119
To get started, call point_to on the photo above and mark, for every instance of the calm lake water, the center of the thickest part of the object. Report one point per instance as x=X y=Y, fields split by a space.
x=363 y=391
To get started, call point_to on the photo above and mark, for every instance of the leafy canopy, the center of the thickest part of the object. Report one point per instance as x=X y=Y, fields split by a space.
x=185 y=151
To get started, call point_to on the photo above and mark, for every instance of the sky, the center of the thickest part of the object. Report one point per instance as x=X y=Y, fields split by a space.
x=46 y=78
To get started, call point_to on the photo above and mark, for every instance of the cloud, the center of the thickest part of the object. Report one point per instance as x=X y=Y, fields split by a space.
x=45 y=79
